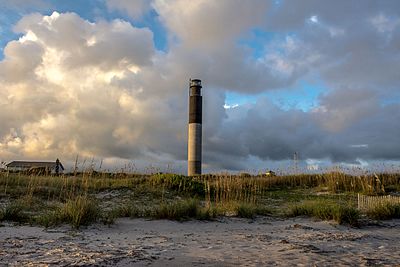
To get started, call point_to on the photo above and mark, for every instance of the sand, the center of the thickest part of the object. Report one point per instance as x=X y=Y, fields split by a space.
x=226 y=242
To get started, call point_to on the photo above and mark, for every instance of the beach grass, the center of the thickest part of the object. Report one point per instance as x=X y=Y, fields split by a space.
x=15 y=211
x=85 y=198
x=384 y=212
x=78 y=211
x=324 y=210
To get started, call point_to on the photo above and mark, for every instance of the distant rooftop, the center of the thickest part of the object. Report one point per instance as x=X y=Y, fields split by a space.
x=30 y=164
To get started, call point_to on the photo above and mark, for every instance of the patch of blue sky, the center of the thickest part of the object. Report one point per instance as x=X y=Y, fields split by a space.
x=260 y=41
x=257 y=41
x=151 y=21
x=304 y=96
x=8 y=18
x=89 y=10
x=394 y=98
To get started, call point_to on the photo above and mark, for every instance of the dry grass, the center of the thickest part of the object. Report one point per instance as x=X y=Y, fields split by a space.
x=203 y=197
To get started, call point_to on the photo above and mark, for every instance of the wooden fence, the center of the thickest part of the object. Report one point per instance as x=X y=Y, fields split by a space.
x=368 y=202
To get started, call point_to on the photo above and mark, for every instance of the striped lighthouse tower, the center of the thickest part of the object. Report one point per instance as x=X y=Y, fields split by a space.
x=194 y=134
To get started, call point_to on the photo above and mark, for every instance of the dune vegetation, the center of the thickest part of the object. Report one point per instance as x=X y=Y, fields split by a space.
x=85 y=198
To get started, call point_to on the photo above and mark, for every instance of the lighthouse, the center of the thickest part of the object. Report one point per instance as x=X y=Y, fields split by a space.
x=194 y=129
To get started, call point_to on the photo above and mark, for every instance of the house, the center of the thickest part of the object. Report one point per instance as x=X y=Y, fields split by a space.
x=36 y=167
x=270 y=173
x=2 y=166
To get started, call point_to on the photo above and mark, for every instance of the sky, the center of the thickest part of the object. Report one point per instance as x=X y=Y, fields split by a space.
x=107 y=81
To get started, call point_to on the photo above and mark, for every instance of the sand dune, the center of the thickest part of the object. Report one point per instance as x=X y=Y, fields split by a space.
x=226 y=242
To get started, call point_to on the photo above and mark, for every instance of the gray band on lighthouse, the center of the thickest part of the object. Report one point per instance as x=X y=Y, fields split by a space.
x=194 y=168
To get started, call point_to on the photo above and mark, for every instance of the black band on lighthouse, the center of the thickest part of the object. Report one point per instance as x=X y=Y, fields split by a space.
x=195 y=108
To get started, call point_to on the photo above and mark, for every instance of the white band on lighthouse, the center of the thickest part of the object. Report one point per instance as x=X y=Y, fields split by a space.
x=194 y=144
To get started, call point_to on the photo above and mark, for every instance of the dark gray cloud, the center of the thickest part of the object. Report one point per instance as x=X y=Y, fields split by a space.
x=271 y=133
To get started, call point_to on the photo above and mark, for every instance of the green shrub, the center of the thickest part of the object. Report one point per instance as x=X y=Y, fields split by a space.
x=182 y=210
x=326 y=211
x=245 y=210
x=51 y=218
x=80 y=211
x=207 y=213
x=77 y=211
x=384 y=212
x=179 y=183
x=346 y=214
x=14 y=212
x=248 y=210
x=126 y=211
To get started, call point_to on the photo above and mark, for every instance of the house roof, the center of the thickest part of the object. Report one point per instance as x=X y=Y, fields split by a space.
x=30 y=164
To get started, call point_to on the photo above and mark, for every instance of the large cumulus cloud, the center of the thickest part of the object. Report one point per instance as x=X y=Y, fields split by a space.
x=61 y=93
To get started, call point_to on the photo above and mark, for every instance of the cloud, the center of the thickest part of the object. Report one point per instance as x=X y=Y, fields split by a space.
x=271 y=133
x=202 y=23
x=208 y=34
x=58 y=85
x=354 y=49
x=84 y=43
x=344 y=106
x=101 y=89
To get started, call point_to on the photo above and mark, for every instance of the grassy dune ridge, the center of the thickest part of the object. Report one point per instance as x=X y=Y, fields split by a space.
x=85 y=198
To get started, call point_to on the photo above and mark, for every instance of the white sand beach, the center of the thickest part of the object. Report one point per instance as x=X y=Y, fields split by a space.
x=226 y=242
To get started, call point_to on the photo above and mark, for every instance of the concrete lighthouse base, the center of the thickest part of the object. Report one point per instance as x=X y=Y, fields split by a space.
x=194 y=149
